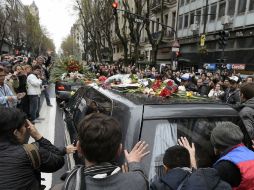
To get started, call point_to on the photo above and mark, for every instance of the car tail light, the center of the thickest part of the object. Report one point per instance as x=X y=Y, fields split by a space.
x=61 y=88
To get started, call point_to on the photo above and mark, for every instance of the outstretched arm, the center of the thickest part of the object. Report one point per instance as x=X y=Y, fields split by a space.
x=183 y=141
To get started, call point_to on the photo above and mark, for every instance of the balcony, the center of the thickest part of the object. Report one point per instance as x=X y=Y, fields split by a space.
x=168 y=35
x=156 y=5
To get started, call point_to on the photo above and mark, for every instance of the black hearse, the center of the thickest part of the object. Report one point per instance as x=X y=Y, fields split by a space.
x=158 y=121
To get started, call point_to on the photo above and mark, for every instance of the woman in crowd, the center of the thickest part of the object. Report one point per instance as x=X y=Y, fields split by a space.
x=215 y=92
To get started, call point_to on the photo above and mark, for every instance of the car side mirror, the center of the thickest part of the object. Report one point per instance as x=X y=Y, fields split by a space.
x=62 y=105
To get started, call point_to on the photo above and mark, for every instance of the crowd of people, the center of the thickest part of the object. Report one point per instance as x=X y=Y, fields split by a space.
x=100 y=137
x=220 y=85
x=22 y=81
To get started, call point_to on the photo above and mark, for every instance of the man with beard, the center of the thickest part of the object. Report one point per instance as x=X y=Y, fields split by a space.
x=232 y=93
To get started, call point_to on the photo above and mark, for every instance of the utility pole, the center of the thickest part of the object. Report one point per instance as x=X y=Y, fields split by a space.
x=205 y=16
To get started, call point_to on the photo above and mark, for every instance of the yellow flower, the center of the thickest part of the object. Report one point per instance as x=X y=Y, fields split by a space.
x=189 y=94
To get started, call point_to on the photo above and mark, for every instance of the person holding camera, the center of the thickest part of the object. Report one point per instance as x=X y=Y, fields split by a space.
x=21 y=163
x=7 y=98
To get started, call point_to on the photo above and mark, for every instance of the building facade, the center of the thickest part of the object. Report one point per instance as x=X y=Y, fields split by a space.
x=169 y=19
x=235 y=16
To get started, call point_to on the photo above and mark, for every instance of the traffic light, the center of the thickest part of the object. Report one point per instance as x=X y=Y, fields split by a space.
x=223 y=38
x=178 y=54
x=114 y=6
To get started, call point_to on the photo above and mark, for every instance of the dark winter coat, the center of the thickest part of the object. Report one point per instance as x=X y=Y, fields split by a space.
x=231 y=96
x=172 y=180
x=247 y=115
x=205 y=179
x=134 y=179
x=16 y=172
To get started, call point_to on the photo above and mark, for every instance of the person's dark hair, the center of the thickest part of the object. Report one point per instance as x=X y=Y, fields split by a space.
x=247 y=90
x=176 y=156
x=100 y=137
x=2 y=69
x=36 y=67
x=10 y=120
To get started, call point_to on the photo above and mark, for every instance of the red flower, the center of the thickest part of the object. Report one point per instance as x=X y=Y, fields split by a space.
x=102 y=78
x=170 y=83
x=156 y=85
x=165 y=93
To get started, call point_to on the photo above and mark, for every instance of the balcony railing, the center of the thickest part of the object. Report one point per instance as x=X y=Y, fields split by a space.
x=167 y=35
x=156 y=4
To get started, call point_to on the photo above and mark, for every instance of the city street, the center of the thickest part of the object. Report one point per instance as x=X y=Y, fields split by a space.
x=53 y=128
x=126 y=94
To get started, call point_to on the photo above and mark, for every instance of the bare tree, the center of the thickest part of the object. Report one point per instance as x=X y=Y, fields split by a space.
x=155 y=42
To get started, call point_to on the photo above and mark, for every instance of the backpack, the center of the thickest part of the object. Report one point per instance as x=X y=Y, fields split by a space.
x=33 y=154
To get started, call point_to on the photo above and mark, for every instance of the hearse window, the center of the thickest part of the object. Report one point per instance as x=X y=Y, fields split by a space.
x=162 y=134
x=97 y=101
x=75 y=99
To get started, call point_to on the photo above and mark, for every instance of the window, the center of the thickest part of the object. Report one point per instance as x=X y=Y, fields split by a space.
x=118 y=49
x=186 y=20
x=198 y=16
x=180 y=23
x=192 y=17
x=241 y=6
x=173 y=19
x=166 y=19
x=187 y=2
x=162 y=134
x=181 y=3
x=213 y=12
x=222 y=8
x=245 y=42
x=153 y=27
x=231 y=7
x=251 y=8
x=157 y=24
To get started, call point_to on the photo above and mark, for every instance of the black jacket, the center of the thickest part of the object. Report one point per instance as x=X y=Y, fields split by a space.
x=205 y=179
x=231 y=96
x=16 y=171
x=172 y=180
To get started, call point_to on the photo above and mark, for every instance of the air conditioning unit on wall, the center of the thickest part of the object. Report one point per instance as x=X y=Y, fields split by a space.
x=226 y=20
x=194 y=27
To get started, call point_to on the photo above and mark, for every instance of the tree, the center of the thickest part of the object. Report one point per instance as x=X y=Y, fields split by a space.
x=135 y=27
x=68 y=46
x=155 y=42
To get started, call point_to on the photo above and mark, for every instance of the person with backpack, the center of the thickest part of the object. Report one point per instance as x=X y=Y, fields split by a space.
x=247 y=107
x=236 y=162
x=177 y=166
x=21 y=163
x=100 y=146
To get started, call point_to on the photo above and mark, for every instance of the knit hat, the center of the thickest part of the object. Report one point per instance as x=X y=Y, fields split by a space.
x=226 y=134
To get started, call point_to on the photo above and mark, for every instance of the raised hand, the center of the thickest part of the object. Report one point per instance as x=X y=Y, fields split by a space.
x=183 y=141
x=137 y=153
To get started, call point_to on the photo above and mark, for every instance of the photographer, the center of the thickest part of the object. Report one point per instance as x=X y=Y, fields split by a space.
x=18 y=169
x=7 y=98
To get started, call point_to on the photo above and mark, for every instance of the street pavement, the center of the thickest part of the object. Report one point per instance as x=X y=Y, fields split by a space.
x=52 y=127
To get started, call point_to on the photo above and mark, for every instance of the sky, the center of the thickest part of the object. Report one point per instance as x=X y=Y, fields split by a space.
x=57 y=16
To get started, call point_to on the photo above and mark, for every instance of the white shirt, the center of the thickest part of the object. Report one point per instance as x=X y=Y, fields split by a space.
x=33 y=85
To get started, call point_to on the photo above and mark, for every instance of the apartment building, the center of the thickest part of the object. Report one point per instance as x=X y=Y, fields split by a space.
x=236 y=16
x=169 y=19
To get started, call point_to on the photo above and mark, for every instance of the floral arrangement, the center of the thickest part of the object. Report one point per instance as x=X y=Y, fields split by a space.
x=73 y=66
x=70 y=69
x=162 y=88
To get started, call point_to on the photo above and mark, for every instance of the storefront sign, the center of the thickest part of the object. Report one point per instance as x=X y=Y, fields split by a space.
x=238 y=66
